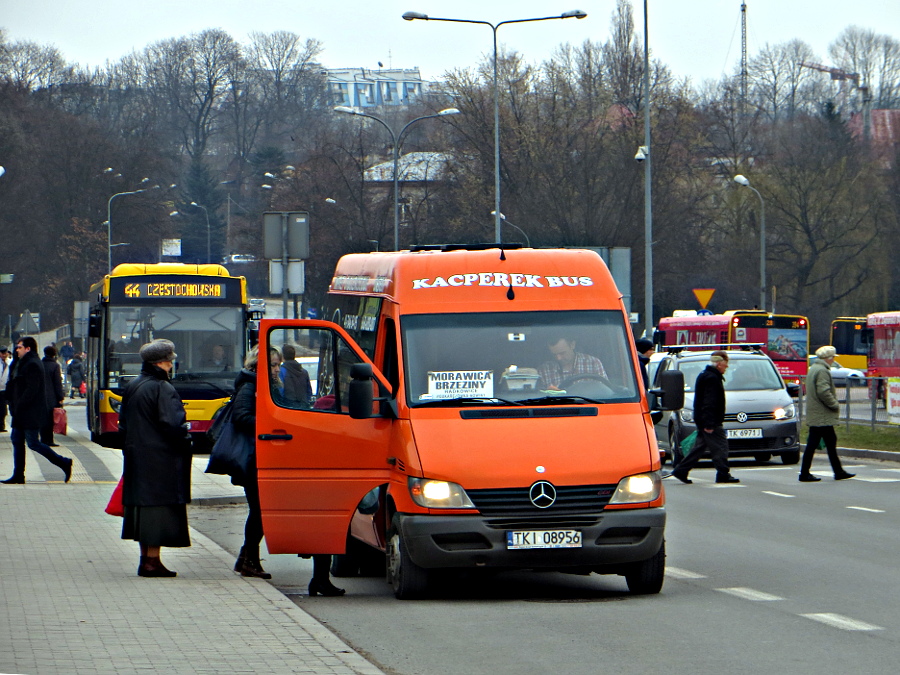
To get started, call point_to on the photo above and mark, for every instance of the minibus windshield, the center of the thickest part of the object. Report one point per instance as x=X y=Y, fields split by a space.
x=533 y=358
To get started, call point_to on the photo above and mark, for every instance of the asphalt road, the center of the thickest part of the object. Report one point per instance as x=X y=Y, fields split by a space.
x=770 y=575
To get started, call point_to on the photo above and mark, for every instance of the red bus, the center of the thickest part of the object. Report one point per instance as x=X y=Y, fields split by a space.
x=884 y=354
x=785 y=337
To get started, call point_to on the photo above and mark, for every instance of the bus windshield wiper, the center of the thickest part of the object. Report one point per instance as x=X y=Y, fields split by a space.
x=482 y=400
x=565 y=398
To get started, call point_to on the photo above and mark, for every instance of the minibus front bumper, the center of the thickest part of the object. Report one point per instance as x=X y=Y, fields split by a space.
x=614 y=537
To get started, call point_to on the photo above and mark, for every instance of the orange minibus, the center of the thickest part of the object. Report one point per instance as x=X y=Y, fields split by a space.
x=471 y=407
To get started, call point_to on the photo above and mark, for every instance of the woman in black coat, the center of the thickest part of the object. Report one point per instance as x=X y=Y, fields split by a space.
x=157 y=471
x=53 y=392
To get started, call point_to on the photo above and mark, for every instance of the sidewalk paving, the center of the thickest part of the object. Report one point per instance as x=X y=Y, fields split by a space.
x=73 y=603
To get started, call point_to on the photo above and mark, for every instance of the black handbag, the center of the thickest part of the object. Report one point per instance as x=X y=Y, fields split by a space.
x=233 y=453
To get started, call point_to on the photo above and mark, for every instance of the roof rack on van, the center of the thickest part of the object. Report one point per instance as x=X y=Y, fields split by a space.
x=743 y=346
x=463 y=247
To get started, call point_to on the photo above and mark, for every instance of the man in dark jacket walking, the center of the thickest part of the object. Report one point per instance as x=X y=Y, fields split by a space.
x=29 y=410
x=53 y=393
x=709 y=416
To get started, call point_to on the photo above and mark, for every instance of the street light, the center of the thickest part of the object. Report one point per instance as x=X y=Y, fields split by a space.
x=744 y=181
x=512 y=224
x=575 y=13
x=109 y=245
x=648 y=202
x=395 y=140
x=200 y=206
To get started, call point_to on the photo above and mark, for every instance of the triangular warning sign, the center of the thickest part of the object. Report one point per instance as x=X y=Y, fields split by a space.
x=704 y=295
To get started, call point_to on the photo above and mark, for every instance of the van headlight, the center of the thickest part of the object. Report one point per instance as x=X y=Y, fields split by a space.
x=686 y=415
x=438 y=494
x=785 y=413
x=642 y=487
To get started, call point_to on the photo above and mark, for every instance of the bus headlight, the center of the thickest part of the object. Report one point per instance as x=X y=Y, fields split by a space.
x=785 y=413
x=115 y=404
x=686 y=415
x=642 y=487
x=438 y=494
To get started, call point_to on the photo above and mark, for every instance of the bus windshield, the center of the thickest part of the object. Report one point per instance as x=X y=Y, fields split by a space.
x=208 y=340
x=518 y=357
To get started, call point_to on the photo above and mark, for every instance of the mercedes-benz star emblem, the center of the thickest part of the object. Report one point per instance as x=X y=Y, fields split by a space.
x=542 y=494
x=742 y=417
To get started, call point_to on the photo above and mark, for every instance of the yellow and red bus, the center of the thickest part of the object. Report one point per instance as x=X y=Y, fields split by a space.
x=201 y=308
x=884 y=356
x=851 y=337
x=784 y=337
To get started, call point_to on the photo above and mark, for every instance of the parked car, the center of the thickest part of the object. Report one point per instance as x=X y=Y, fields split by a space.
x=760 y=414
x=844 y=376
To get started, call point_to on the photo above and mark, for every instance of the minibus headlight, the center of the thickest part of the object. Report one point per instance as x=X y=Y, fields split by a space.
x=642 y=487
x=438 y=494
x=785 y=413
x=115 y=404
x=686 y=415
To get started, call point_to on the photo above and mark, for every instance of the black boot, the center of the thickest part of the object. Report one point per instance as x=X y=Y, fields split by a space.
x=251 y=567
x=153 y=567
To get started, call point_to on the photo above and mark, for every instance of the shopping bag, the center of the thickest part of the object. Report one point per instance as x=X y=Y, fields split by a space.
x=114 y=507
x=82 y=389
x=688 y=443
x=60 y=421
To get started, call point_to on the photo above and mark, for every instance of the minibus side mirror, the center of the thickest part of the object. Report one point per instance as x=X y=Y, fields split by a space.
x=670 y=393
x=361 y=398
x=793 y=389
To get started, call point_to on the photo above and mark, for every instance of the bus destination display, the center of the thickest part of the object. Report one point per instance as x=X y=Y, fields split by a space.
x=167 y=289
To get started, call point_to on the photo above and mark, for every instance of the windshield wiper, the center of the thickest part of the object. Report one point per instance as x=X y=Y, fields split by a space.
x=485 y=400
x=565 y=398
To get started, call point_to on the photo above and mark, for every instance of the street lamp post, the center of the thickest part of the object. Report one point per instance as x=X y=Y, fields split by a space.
x=648 y=202
x=512 y=224
x=200 y=206
x=109 y=246
x=744 y=181
x=395 y=141
x=576 y=14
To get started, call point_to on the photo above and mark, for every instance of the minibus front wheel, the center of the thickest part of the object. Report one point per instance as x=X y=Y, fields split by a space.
x=406 y=578
x=646 y=577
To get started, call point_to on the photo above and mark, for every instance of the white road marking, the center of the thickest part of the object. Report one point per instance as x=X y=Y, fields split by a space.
x=890 y=470
x=726 y=485
x=778 y=494
x=842 y=622
x=863 y=508
x=876 y=480
x=678 y=573
x=750 y=594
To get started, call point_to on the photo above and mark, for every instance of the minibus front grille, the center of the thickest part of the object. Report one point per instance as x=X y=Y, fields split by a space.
x=561 y=522
x=513 y=413
x=516 y=502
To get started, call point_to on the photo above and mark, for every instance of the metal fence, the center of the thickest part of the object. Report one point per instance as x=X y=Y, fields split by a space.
x=862 y=401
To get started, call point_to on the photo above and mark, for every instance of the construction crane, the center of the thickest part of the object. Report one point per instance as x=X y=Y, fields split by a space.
x=843 y=77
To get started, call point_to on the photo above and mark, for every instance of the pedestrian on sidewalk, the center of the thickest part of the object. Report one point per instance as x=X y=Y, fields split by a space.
x=4 y=378
x=709 y=416
x=53 y=393
x=157 y=469
x=75 y=375
x=26 y=391
x=822 y=413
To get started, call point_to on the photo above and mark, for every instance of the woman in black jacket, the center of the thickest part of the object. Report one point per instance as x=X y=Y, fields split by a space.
x=156 y=475
x=53 y=392
x=243 y=416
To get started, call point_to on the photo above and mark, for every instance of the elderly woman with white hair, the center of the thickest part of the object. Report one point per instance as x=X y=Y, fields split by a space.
x=822 y=413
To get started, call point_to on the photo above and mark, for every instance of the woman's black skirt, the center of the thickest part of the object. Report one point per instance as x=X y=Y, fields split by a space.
x=157 y=525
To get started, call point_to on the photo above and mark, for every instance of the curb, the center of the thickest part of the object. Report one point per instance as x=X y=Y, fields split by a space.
x=218 y=501
x=883 y=455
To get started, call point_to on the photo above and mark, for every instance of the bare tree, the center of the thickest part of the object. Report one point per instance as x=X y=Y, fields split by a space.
x=877 y=60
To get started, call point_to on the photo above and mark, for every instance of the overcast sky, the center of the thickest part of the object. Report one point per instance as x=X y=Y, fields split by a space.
x=697 y=39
